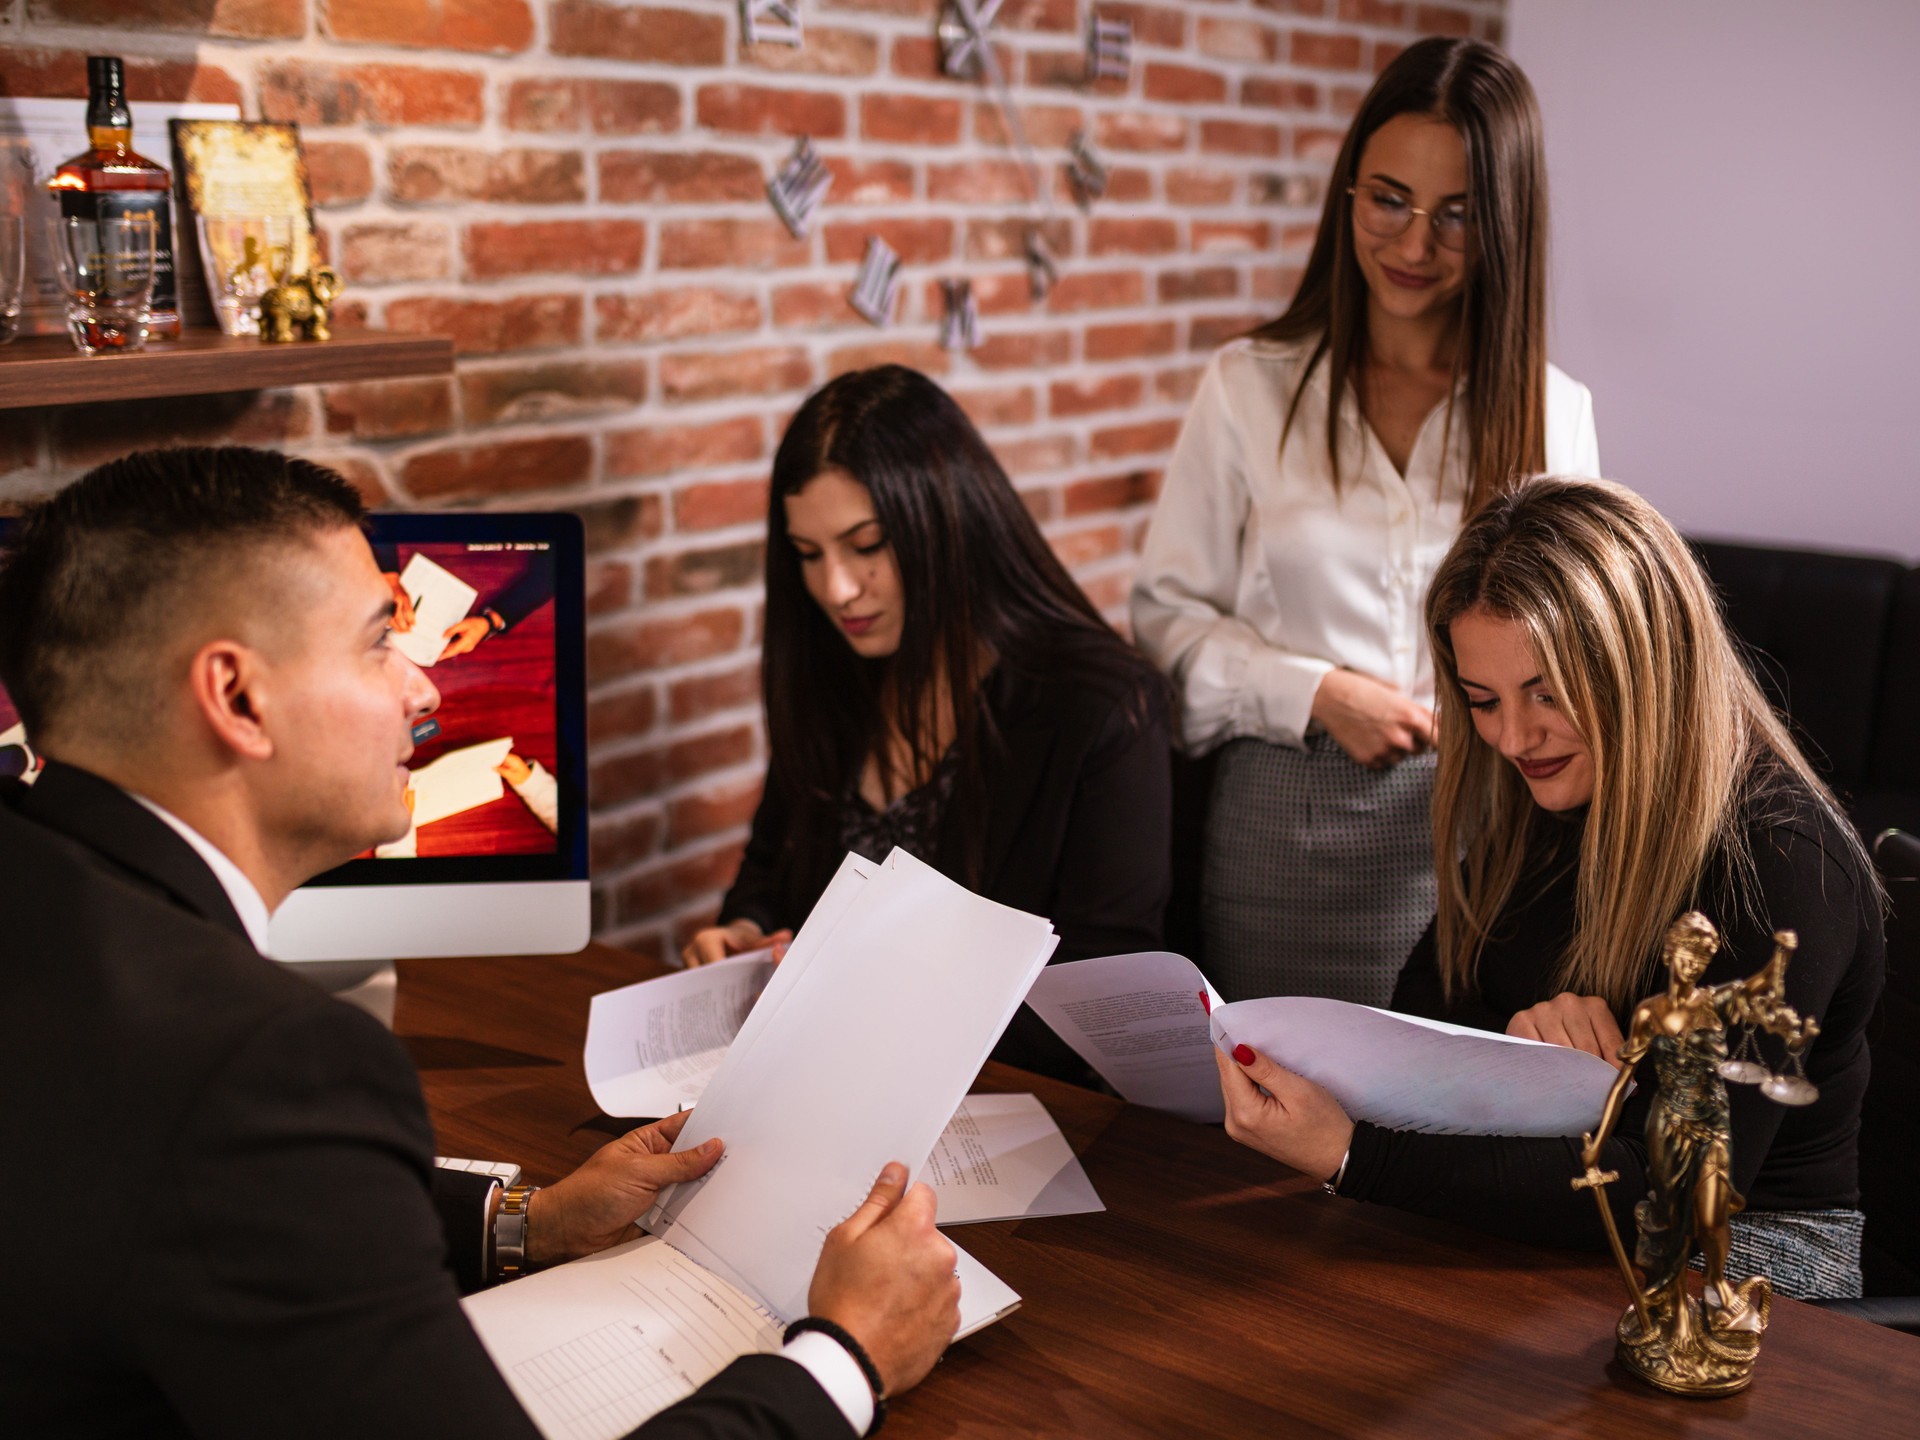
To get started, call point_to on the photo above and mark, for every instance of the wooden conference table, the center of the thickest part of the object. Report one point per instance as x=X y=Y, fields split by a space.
x=1218 y=1295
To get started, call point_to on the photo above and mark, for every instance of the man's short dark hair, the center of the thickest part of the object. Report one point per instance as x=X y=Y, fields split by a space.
x=95 y=574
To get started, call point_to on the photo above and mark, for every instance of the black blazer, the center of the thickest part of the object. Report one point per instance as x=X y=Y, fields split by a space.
x=225 y=1222
x=1079 y=805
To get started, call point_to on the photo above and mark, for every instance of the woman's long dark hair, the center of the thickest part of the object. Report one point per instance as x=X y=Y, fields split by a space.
x=979 y=583
x=1503 y=332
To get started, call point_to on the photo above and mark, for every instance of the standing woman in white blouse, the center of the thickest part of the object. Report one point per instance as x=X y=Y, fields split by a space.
x=1322 y=473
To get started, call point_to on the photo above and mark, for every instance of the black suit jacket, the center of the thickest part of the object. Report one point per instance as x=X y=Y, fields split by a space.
x=1078 y=809
x=224 y=1216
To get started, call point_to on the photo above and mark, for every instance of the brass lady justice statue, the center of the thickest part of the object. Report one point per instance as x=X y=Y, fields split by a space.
x=1704 y=1346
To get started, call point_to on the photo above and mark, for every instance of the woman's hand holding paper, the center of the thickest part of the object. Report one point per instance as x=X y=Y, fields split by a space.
x=1580 y=1022
x=1295 y=1121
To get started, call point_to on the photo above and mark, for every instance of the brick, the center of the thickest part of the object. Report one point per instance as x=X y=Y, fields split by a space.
x=763 y=110
x=1275 y=92
x=338 y=173
x=1006 y=239
x=814 y=305
x=1115 y=492
x=1246 y=42
x=428 y=174
x=490 y=327
x=1276 y=282
x=992 y=295
x=1229 y=237
x=1210 y=331
x=495 y=27
x=499 y=467
x=1324 y=51
x=1132 y=237
x=1067 y=70
x=761 y=243
x=909 y=120
x=616 y=844
x=547 y=105
x=609 y=586
x=1050 y=127
x=978 y=182
x=827 y=52
x=388 y=409
x=650 y=34
x=1148 y=437
x=1388 y=14
x=1130 y=341
x=1085 y=397
x=1037 y=455
x=1054 y=15
x=1345 y=100
x=1037 y=349
x=1214 y=282
x=1177 y=386
x=699 y=696
x=712 y=811
x=381 y=252
x=1141 y=131
x=1013 y=405
x=618 y=714
x=1384 y=52
x=62 y=74
x=631 y=107
x=665 y=449
x=1239 y=137
x=719 y=374
x=1163 y=25
x=309 y=92
x=676 y=176
x=1318 y=144
x=1097 y=290
x=681 y=882
x=869 y=182
x=916 y=242
x=553 y=390
x=548 y=247
x=1183 y=84
x=616 y=524
x=922 y=355
x=1127 y=184
x=1442 y=20
x=1108 y=593
x=654 y=643
x=83 y=436
x=238 y=19
x=1201 y=187
x=674 y=314
x=1088 y=547
x=701 y=572
x=716 y=504
x=358 y=471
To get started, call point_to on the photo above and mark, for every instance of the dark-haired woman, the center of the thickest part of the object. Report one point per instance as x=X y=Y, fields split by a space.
x=1323 y=470
x=935 y=680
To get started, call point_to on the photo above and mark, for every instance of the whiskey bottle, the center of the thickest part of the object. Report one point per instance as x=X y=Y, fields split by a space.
x=109 y=180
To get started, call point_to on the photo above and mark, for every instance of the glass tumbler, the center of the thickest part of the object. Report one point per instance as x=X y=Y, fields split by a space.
x=13 y=273
x=106 y=272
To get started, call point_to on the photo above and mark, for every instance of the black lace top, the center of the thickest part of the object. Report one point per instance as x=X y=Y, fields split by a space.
x=911 y=822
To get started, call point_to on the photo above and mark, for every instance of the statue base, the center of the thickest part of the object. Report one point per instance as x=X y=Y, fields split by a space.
x=1694 y=1348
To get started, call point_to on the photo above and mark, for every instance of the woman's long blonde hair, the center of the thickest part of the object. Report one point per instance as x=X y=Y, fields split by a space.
x=1629 y=639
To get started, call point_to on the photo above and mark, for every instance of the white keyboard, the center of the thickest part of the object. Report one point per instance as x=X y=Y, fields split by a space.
x=505 y=1171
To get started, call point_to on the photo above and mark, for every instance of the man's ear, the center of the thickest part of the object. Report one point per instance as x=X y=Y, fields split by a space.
x=228 y=682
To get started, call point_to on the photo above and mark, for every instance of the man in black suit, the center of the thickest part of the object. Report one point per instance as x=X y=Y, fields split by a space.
x=238 y=1230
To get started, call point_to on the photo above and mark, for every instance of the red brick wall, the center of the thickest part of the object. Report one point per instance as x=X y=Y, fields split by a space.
x=573 y=191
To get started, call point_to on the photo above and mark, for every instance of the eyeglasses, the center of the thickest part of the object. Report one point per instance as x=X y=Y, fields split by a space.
x=1386 y=214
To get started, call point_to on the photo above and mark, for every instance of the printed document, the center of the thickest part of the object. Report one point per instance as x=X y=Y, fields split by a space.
x=652 y=1047
x=441 y=600
x=1001 y=1157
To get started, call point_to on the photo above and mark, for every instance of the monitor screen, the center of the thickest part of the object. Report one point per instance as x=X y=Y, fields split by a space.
x=496 y=862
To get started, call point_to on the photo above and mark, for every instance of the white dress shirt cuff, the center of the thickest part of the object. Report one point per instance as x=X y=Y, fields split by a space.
x=827 y=1360
x=1284 y=684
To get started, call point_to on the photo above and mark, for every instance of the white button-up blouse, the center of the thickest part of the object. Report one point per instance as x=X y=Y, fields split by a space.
x=1258 y=577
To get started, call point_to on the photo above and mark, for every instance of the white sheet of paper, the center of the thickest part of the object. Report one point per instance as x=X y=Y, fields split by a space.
x=594 y=1347
x=1001 y=1157
x=459 y=780
x=1408 y=1074
x=1138 y=1020
x=862 y=1060
x=652 y=1047
x=984 y=1296
x=440 y=599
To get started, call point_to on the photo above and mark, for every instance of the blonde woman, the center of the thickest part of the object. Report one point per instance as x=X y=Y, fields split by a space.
x=1607 y=762
x=1322 y=472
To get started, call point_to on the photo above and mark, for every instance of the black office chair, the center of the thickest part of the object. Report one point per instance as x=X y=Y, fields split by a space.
x=1890 y=1113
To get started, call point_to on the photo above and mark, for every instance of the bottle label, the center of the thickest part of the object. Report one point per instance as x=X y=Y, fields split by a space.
x=118 y=204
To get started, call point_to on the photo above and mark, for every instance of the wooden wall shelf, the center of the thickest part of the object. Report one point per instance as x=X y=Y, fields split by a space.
x=47 y=370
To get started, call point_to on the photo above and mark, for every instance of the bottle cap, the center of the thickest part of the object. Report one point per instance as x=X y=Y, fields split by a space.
x=105 y=72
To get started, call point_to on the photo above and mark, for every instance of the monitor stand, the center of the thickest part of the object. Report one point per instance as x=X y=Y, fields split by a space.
x=367 y=984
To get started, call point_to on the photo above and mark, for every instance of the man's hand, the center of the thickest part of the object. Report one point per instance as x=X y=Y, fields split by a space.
x=1373 y=722
x=717 y=942
x=465 y=635
x=1295 y=1121
x=514 y=770
x=596 y=1205
x=402 y=602
x=887 y=1277
x=1580 y=1022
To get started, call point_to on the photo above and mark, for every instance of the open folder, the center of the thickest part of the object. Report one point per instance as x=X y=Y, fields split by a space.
x=858 y=1052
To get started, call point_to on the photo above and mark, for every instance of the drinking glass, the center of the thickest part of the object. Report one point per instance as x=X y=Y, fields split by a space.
x=106 y=270
x=13 y=273
x=243 y=256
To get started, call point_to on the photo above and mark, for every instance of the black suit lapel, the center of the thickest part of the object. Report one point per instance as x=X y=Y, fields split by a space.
x=105 y=819
x=1028 y=735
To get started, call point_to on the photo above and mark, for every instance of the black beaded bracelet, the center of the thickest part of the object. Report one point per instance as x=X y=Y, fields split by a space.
x=852 y=1346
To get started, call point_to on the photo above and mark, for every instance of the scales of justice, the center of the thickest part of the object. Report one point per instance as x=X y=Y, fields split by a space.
x=1704 y=1345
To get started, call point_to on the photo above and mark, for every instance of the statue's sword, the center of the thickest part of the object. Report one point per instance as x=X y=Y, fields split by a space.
x=1596 y=1180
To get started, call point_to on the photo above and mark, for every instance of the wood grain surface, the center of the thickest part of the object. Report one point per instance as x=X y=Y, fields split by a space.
x=1218 y=1295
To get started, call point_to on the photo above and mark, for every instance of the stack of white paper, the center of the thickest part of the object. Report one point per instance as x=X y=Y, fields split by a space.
x=1001 y=1157
x=459 y=780
x=441 y=600
x=652 y=1047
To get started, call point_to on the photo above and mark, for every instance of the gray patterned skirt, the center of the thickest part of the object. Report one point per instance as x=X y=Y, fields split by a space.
x=1318 y=875
x=1806 y=1254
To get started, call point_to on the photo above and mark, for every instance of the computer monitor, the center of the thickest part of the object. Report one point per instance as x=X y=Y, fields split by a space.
x=497 y=864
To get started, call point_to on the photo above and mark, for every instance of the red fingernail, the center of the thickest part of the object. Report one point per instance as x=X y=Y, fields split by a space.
x=1205 y=1004
x=1243 y=1054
